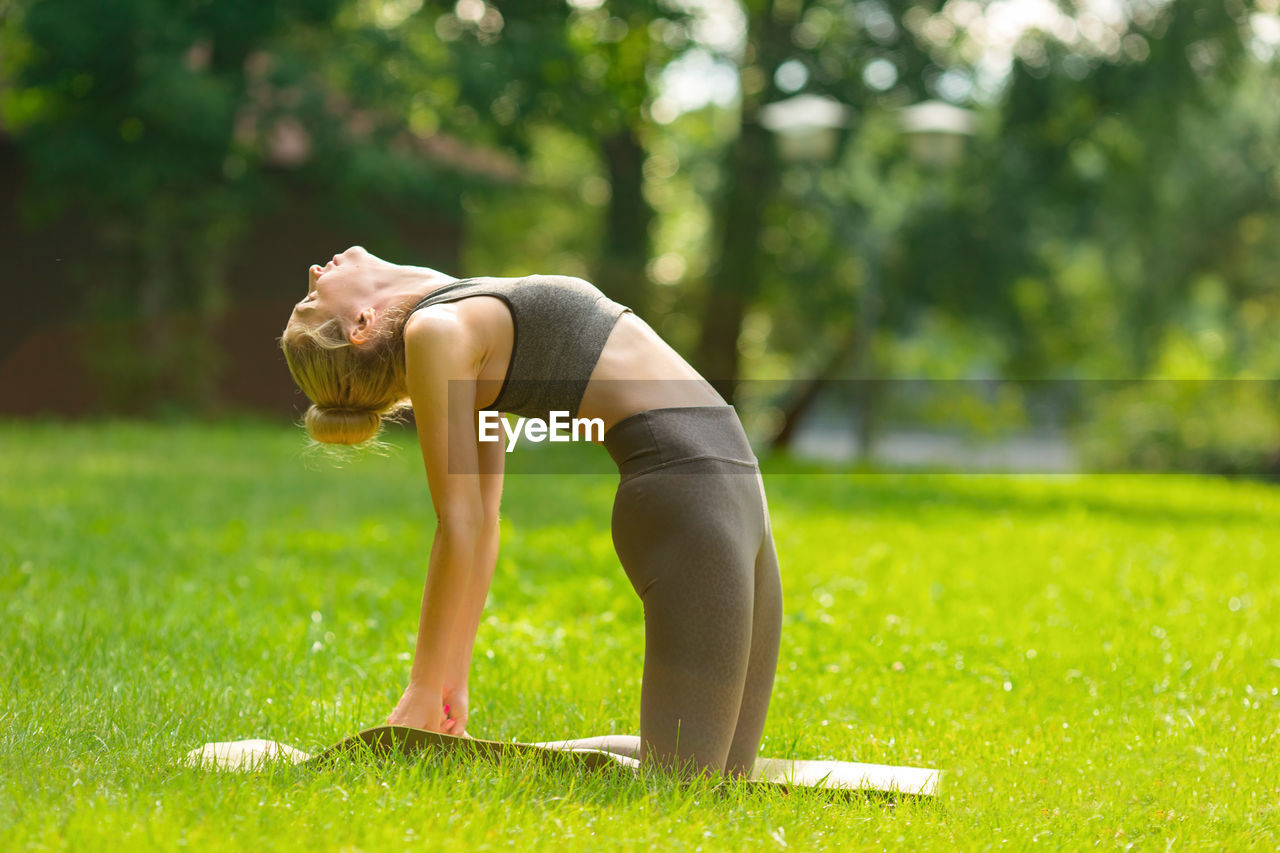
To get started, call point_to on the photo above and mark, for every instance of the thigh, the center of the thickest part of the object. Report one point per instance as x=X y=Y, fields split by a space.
x=696 y=656
x=688 y=541
x=696 y=521
x=766 y=636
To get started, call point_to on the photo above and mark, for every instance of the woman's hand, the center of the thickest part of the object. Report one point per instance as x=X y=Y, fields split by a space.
x=423 y=708
x=420 y=708
x=455 y=709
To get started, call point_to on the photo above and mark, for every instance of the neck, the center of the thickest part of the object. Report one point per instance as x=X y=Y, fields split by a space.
x=409 y=284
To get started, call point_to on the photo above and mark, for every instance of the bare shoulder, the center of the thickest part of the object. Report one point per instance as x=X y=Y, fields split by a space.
x=442 y=361
x=437 y=329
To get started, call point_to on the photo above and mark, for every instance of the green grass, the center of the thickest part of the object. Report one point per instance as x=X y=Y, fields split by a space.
x=1093 y=661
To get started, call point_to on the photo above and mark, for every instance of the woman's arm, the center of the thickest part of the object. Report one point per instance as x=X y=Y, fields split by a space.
x=442 y=362
x=492 y=458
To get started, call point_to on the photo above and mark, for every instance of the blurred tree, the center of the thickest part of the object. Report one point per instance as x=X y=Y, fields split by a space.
x=584 y=67
x=1123 y=171
x=125 y=114
x=1103 y=150
x=824 y=47
x=1117 y=214
x=160 y=136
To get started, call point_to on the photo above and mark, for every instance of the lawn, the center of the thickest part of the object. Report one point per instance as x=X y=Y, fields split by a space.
x=1092 y=660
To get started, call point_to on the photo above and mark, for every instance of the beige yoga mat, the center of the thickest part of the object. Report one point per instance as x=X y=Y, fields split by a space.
x=401 y=740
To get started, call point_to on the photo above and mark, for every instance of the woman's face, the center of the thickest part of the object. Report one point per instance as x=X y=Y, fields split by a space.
x=343 y=288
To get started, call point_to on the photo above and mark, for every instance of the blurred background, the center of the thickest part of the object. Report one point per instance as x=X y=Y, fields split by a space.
x=1016 y=234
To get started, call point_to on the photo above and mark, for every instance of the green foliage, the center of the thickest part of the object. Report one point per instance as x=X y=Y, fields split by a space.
x=1219 y=426
x=541 y=226
x=1110 y=178
x=1152 y=157
x=138 y=98
x=587 y=69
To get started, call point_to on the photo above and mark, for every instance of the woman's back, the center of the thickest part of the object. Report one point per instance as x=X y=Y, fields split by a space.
x=559 y=327
x=574 y=349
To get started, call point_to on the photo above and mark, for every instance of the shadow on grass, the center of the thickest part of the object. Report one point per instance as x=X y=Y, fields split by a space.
x=809 y=488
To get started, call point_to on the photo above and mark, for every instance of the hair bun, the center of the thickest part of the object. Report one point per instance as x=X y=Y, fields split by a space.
x=342 y=426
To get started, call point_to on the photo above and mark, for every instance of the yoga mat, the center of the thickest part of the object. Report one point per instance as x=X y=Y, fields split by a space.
x=245 y=755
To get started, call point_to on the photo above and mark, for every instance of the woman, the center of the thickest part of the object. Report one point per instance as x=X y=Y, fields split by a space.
x=690 y=520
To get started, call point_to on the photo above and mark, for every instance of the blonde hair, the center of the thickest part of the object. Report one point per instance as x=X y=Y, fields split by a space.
x=352 y=388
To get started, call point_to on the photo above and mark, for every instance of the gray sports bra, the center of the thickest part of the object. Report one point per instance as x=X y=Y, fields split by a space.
x=561 y=324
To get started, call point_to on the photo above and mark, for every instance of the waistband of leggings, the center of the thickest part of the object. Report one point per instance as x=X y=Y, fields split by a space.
x=657 y=438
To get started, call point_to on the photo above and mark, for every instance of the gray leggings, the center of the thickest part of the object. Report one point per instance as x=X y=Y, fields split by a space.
x=691 y=528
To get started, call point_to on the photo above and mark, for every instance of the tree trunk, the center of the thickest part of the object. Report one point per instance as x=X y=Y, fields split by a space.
x=809 y=389
x=749 y=183
x=621 y=269
x=735 y=280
